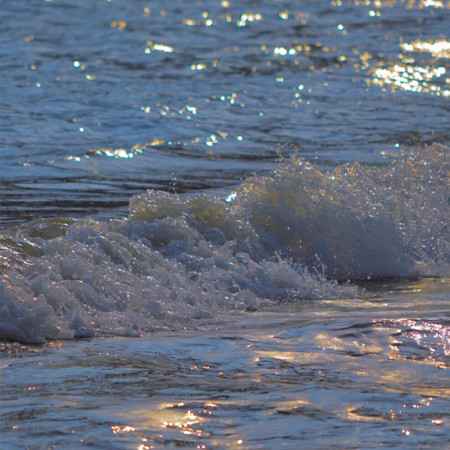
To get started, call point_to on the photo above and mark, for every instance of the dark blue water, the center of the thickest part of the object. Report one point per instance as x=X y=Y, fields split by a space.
x=103 y=99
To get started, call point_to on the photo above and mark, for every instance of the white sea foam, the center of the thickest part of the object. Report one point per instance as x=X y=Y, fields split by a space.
x=180 y=260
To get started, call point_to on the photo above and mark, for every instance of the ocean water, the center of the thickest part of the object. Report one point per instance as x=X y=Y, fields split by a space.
x=224 y=224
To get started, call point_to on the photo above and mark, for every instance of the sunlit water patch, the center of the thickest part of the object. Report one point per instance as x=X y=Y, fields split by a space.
x=355 y=373
x=430 y=77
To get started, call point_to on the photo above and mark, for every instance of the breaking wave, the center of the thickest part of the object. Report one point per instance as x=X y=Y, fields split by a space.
x=177 y=261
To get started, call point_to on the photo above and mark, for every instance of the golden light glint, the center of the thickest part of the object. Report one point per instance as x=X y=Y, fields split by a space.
x=282 y=51
x=78 y=65
x=232 y=99
x=247 y=18
x=432 y=4
x=119 y=24
x=184 y=423
x=116 y=429
x=365 y=57
x=410 y=4
x=211 y=405
x=154 y=47
x=410 y=78
x=211 y=140
x=119 y=152
x=198 y=66
x=190 y=22
x=438 y=49
x=166 y=416
x=186 y=111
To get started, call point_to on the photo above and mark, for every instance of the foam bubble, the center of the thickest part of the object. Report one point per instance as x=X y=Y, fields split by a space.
x=178 y=261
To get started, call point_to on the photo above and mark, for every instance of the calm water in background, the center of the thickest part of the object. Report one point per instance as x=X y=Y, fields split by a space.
x=101 y=100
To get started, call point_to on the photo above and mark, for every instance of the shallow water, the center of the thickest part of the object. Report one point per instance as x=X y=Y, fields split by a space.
x=224 y=224
x=349 y=374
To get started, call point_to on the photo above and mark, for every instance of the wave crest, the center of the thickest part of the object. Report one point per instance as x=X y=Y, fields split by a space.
x=180 y=260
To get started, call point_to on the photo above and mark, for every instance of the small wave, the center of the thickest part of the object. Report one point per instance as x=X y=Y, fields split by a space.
x=178 y=261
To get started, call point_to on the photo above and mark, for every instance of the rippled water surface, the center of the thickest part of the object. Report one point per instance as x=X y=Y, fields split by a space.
x=224 y=224
x=344 y=374
x=103 y=99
